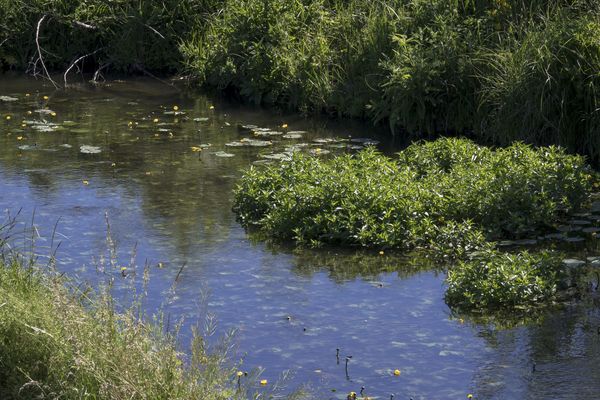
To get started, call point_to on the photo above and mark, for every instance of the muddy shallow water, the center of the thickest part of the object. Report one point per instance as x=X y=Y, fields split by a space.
x=122 y=152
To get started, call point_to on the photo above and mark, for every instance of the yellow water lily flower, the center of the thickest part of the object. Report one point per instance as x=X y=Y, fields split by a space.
x=155 y=120
x=175 y=108
x=86 y=182
x=263 y=382
x=211 y=107
x=396 y=372
x=8 y=117
x=45 y=97
x=196 y=148
x=239 y=373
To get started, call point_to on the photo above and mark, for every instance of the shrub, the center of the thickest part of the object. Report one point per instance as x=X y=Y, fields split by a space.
x=413 y=201
x=494 y=280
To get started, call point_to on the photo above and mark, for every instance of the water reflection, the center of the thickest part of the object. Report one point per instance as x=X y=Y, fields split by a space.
x=294 y=308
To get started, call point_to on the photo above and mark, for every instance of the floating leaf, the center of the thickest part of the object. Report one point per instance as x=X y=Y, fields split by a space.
x=86 y=149
x=223 y=154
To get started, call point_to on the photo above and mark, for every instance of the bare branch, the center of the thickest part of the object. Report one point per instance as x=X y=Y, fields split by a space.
x=74 y=63
x=39 y=49
x=84 y=25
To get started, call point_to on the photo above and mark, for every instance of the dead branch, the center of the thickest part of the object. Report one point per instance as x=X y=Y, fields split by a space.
x=84 y=25
x=74 y=63
x=39 y=49
x=98 y=73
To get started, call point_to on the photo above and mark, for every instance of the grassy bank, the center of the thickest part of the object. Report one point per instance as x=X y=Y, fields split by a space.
x=497 y=70
x=449 y=197
x=60 y=343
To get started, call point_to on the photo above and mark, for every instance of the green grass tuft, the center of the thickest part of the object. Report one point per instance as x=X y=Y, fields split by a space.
x=59 y=343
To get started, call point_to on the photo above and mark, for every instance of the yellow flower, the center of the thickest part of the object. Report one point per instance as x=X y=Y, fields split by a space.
x=155 y=120
x=263 y=382
x=19 y=137
x=8 y=117
x=381 y=253
x=113 y=164
x=29 y=112
x=396 y=372
x=284 y=126
x=46 y=97
x=211 y=107
x=196 y=148
x=53 y=114
x=239 y=374
x=27 y=95
x=86 y=182
x=175 y=108
x=469 y=396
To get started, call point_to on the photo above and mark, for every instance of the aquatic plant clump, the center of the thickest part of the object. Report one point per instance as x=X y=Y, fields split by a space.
x=494 y=280
x=415 y=199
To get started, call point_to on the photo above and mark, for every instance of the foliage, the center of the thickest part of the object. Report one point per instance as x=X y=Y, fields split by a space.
x=432 y=192
x=497 y=70
x=130 y=35
x=493 y=280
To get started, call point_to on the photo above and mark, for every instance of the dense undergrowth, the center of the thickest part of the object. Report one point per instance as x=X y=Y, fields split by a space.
x=450 y=197
x=497 y=70
x=431 y=190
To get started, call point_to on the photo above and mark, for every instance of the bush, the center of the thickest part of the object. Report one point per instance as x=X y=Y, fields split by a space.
x=495 y=280
x=413 y=201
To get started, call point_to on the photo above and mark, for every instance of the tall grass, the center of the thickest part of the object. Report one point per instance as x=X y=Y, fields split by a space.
x=62 y=340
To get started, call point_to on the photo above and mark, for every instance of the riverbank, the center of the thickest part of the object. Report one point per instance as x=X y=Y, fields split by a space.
x=57 y=341
x=497 y=71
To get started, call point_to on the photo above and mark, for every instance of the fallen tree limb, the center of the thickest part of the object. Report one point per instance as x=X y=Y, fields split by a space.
x=74 y=63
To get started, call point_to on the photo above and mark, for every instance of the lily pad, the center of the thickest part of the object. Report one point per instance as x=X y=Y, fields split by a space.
x=8 y=98
x=44 y=111
x=365 y=141
x=291 y=135
x=267 y=133
x=79 y=130
x=223 y=154
x=246 y=128
x=86 y=149
x=201 y=119
x=277 y=156
x=573 y=263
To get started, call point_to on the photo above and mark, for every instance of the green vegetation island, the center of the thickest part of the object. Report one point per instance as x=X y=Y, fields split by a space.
x=507 y=88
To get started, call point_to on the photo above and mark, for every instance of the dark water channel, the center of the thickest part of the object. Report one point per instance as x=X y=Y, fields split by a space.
x=89 y=152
